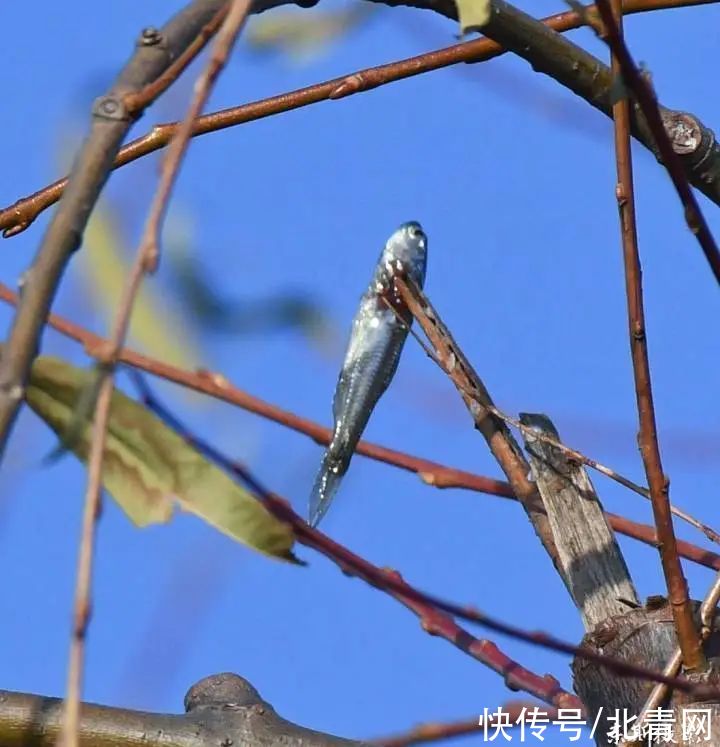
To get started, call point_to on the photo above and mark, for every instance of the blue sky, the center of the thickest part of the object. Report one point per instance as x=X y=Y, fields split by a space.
x=513 y=180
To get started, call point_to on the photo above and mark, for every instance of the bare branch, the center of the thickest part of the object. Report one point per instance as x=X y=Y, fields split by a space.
x=707 y=617
x=146 y=261
x=431 y=473
x=111 y=121
x=433 y=621
x=571 y=66
x=436 y=615
x=436 y=731
x=690 y=138
x=545 y=438
x=595 y=570
x=624 y=66
x=497 y=435
x=658 y=483
x=223 y=709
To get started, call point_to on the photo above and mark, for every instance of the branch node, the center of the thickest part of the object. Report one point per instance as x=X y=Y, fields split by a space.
x=350 y=85
x=111 y=108
x=150 y=37
x=220 y=691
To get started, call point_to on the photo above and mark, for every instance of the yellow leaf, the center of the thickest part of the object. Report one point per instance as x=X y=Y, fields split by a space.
x=473 y=14
x=148 y=467
x=154 y=326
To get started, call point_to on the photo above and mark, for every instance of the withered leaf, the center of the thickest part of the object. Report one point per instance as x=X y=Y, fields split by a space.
x=148 y=467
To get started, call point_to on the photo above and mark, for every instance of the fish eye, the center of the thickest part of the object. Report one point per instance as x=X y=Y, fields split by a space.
x=415 y=231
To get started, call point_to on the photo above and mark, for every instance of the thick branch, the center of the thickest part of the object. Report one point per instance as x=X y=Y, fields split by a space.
x=595 y=570
x=431 y=473
x=111 y=120
x=689 y=137
x=550 y=53
x=156 y=52
x=223 y=709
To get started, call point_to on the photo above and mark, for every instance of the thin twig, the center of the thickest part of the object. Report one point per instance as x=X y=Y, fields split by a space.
x=436 y=615
x=436 y=623
x=501 y=442
x=138 y=100
x=434 y=611
x=708 y=531
x=436 y=731
x=479 y=403
x=145 y=262
x=678 y=594
x=18 y=216
x=707 y=619
x=623 y=65
x=432 y=473
x=110 y=123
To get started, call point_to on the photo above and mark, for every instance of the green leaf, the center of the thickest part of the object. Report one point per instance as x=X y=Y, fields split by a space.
x=148 y=467
x=473 y=14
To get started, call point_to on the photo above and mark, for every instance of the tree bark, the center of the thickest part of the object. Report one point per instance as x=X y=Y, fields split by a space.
x=223 y=710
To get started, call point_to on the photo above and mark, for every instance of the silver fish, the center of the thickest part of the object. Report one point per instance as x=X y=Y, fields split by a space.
x=371 y=360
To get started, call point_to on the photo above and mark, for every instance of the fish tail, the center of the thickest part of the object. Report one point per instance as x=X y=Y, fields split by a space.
x=327 y=482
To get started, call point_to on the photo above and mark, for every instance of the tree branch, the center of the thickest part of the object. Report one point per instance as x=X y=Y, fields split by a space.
x=156 y=53
x=571 y=66
x=499 y=439
x=391 y=582
x=624 y=66
x=658 y=483
x=222 y=709
x=436 y=615
x=111 y=121
x=431 y=473
x=227 y=25
x=437 y=731
x=433 y=621
x=690 y=138
x=593 y=564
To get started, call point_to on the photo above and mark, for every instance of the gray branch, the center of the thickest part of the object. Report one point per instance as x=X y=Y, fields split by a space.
x=590 y=558
x=110 y=123
x=546 y=50
x=221 y=711
x=647 y=635
x=549 y=52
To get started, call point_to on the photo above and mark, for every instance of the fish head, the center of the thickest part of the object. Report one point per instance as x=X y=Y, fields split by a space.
x=408 y=248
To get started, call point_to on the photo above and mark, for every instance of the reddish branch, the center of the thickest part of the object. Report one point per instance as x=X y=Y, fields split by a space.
x=386 y=580
x=432 y=473
x=17 y=217
x=645 y=96
x=436 y=616
x=434 y=732
x=138 y=100
x=688 y=635
x=227 y=25
x=434 y=622
x=111 y=121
